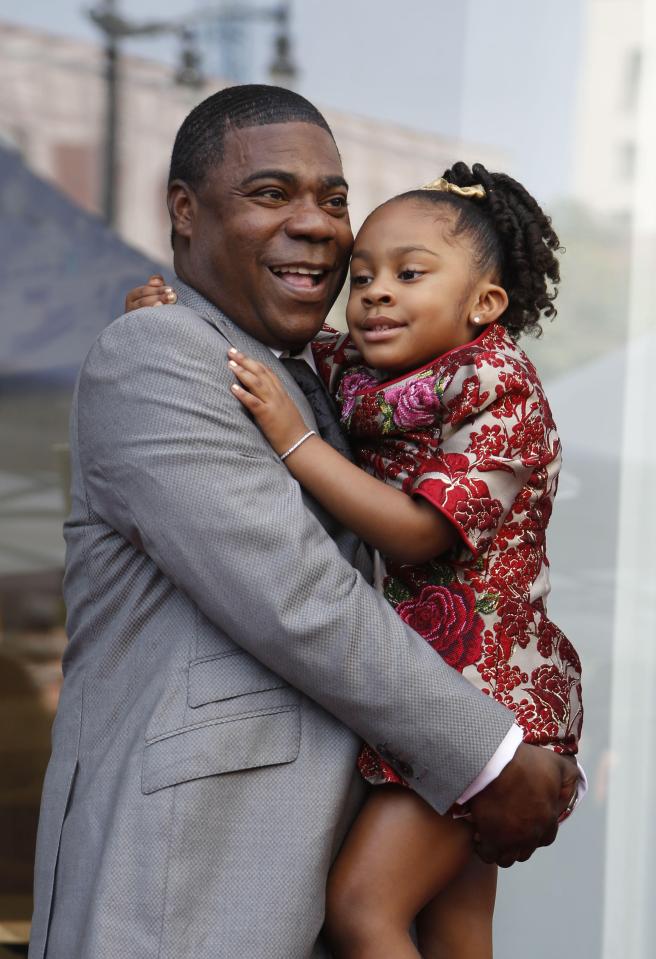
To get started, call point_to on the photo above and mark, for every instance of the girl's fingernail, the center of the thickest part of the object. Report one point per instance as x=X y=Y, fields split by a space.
x=235 y=387
x=232 y=364
x=232 y=350
x=172 y=297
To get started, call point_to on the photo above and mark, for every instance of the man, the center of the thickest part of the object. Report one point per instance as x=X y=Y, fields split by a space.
x=225 y=657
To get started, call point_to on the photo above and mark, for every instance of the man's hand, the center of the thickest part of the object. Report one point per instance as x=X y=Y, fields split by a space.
x=519 y=810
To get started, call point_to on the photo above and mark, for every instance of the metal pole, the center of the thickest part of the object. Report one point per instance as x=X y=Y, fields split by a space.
x=110 y=171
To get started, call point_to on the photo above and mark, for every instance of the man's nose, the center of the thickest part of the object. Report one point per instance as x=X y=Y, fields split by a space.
x=308 y=221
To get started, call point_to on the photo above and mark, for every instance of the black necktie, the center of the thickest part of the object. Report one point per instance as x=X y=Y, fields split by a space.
x=322 y=405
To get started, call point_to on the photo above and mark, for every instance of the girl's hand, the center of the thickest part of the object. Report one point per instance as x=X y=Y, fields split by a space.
x=264 y=396
x=155 y=293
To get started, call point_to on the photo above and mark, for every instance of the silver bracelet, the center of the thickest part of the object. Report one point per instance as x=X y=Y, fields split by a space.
x=296 y=445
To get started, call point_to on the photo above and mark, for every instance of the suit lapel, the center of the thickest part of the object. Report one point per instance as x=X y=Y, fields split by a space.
x=347 y=541
x=245 y=343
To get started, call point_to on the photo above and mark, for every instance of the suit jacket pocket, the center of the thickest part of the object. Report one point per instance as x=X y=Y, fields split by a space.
x=266 y=737
x=227 y=676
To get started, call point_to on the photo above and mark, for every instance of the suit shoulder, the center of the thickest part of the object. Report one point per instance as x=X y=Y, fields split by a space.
x=151 y=339
x=159 y=323
x=155 y=330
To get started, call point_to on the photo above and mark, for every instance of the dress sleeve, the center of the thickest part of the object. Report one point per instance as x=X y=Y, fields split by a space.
x=497 y=432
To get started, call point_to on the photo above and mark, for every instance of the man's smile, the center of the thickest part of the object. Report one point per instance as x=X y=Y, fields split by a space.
x=309 y=281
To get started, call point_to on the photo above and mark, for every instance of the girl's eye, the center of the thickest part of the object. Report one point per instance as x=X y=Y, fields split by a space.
x=410 y=274
x=360 y=280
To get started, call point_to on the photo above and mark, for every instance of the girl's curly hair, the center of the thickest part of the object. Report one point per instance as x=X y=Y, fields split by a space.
x=511 y=236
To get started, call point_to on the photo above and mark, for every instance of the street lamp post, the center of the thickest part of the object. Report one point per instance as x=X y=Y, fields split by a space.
x=282 y=70
x=110 y=159
x=115 y=28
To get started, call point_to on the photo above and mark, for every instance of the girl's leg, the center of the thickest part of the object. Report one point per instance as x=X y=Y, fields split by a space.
x=398 y=855
x=458 y=922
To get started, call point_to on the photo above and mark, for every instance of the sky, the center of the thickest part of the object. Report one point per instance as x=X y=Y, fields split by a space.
x=497 y=72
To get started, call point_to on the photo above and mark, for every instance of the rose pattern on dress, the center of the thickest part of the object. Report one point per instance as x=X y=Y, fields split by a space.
x=350 y=384
x=447 y=619
x=459 y=494
x=414 y=404
x=472 y=433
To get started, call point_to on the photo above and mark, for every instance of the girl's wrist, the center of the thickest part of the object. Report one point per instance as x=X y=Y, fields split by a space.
x=284 y=433
x=296 y=444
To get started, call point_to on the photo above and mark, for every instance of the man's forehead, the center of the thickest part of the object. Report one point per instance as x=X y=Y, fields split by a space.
x=296 y=147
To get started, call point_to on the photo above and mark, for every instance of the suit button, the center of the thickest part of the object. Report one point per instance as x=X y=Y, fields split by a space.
x=383 y=751
x=405 y=769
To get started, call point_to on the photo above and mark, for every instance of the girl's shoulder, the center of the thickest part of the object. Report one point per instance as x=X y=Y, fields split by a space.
x=487 y=370
x=493 y=349
x=492 y=356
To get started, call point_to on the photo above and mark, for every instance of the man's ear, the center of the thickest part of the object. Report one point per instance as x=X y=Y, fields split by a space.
x=491 y=302
x=182 y=204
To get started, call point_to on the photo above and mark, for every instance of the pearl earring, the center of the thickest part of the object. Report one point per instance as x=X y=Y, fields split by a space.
x=476 y=320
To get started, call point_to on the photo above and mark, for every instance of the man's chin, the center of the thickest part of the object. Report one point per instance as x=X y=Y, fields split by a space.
x=297 y=322
x=295 y=331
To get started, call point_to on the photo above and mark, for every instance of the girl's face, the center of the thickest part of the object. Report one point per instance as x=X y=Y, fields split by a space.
x=414 y=288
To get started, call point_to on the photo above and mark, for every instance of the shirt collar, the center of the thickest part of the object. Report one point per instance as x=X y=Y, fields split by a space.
x=305 y=354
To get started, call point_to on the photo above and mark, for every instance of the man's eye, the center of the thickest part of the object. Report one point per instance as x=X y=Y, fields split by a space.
x=271 y=193
x=338 y=202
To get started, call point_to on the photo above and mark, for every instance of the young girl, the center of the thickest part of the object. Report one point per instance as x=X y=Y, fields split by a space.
x=458 y=459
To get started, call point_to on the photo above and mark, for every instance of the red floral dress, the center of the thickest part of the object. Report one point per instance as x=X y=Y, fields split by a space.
x=471 y=432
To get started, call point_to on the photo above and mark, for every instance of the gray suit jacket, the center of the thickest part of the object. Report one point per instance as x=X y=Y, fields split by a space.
x=225 y=659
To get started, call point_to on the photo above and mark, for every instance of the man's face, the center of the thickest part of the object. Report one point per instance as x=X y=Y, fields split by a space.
x=268 y=231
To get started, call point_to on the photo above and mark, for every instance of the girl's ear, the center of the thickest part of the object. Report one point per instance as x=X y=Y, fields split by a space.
x=181 y=201
x=491 y=302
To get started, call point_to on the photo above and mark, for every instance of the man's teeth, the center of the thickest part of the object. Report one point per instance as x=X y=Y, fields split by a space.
x=297 y=269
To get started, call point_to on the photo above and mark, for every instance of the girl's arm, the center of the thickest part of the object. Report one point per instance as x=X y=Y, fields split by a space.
x=404 y=528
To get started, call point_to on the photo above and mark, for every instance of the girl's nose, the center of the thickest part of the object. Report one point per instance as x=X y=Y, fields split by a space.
x=377 y=294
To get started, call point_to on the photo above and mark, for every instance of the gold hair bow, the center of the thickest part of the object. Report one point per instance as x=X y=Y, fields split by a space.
x=477 y=191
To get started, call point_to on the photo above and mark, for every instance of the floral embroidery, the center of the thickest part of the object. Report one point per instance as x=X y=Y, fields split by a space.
x=471 y=432
x=349 y=386
x=415 y=403
x=447 y=619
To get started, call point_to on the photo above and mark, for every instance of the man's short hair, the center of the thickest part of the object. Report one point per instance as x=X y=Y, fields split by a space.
x=198 y=147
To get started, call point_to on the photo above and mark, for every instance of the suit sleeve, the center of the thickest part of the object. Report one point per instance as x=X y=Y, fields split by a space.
x=174 y=464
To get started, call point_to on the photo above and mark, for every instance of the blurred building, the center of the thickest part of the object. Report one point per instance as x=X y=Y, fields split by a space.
x=605 y=149
x=52 y=107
